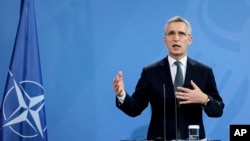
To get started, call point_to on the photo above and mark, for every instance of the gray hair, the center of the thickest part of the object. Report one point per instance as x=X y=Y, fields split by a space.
x=179 y=19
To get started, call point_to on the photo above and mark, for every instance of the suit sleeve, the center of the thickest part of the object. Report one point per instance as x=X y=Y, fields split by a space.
x=135 y=104
x=215 y=106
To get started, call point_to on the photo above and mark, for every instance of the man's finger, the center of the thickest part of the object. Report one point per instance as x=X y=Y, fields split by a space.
x=183 y=89
x=120 y=74
x=193 y=84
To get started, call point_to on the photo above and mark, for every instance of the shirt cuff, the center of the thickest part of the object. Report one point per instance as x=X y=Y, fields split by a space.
x=121 y=98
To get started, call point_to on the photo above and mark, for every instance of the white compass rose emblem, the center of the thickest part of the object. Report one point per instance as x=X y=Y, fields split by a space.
x=23 y=105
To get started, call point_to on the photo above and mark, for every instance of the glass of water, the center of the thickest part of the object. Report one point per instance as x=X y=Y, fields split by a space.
x=193 y=131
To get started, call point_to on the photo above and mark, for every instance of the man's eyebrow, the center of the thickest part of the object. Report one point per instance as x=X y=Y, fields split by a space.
x=171 y=32
x=182 y=32
x=178 y=32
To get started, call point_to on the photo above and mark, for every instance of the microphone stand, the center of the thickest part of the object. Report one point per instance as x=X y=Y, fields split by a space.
x=164 y=108
x=164 y=114
x=176 y=118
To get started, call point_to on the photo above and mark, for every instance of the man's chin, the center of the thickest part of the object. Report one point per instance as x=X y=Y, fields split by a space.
x=178 y=55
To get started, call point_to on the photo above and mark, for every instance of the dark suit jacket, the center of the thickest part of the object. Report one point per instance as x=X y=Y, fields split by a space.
x=149 y=89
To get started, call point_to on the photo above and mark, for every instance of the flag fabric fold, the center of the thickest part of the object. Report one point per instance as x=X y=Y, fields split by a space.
x=22 y=113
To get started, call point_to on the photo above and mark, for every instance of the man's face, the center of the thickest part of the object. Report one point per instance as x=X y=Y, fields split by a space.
x=177 y=39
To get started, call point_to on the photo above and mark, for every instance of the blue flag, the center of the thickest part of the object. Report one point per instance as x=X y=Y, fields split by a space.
x=22 y=115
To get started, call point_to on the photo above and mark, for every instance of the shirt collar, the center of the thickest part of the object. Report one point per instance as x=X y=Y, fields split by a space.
x=172 y=60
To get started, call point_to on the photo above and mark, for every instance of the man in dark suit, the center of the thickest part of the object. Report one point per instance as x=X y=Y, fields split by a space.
x=173 y=109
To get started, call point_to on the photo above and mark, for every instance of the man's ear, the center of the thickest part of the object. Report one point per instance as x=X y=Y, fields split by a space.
x=190 y=40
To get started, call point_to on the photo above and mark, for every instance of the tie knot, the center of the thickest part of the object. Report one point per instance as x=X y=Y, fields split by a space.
x=177 y=63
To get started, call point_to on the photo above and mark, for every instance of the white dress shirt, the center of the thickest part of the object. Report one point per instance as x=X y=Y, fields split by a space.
x=173 y=67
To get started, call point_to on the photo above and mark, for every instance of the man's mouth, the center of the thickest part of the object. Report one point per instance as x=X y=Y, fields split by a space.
x=175 y=46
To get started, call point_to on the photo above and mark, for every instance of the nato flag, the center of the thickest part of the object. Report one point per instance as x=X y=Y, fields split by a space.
x=22 y=115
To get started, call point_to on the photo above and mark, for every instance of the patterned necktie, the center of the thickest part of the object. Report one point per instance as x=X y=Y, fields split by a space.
x=178 y=77
x=178 y=82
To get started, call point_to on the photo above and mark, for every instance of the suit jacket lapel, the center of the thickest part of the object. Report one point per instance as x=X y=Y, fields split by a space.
x=190 y=72
x=165 y=75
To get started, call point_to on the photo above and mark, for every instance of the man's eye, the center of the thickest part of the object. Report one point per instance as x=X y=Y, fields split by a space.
x=182 y=34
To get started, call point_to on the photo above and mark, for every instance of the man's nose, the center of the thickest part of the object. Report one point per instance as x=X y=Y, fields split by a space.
x=176 y=37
